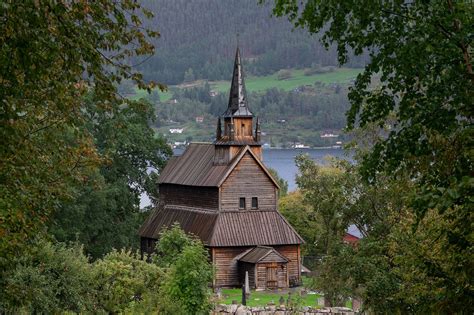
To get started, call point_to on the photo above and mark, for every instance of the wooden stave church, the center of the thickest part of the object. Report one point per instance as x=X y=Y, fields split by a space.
x=222 y=193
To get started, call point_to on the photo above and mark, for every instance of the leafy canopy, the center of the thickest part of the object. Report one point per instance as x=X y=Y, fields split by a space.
x=421 y=51
x=51 y=55
x=189 y=272
x=112 y=192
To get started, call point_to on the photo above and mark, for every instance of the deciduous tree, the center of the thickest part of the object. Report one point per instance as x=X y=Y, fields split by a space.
x=421 y=51
x=51 y=54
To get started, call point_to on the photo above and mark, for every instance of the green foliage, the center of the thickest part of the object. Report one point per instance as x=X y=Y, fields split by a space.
x=55 y=278
x=189 y=273
x=51 y=55
x=50 y=278
x=395 y=267
x=425 y=258
x=189 y=75
x=111 y=194
x=172 y=243
x=419 y=118
x=188 y=280
x=333 y=198
x=323 y=190
x=302 y=217
x=283 y=191
x=284 y=74
x=421 y=51
x=123 y=281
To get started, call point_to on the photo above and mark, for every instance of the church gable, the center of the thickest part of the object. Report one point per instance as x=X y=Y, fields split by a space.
x=248 y=187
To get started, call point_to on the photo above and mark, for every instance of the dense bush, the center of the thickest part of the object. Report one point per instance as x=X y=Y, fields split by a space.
x=284 y=74
x=188 y=273
x=48 y=278
x=187 y=282
x=54 y=278
x=122 y=279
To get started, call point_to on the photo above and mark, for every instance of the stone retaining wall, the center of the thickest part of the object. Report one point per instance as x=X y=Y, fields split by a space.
x=238 y=309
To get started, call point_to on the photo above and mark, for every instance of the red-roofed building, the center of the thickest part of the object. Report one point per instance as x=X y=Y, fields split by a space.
x=350 y=239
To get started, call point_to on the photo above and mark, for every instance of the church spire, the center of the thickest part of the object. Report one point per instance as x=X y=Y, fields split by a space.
x=237 y=130
x=237 y=106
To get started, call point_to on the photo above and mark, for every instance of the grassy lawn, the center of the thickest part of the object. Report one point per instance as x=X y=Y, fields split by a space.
x=258 y=84
x=262 y=298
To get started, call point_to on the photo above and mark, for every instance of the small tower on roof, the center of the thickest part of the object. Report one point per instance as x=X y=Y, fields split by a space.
x=238 y=121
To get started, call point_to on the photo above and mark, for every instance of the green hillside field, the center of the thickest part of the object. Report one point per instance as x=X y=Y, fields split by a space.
x=257 y=84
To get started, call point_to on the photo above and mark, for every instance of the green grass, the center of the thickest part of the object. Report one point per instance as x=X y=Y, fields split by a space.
x=258 y=84
x=262 y=298
x=164 y=96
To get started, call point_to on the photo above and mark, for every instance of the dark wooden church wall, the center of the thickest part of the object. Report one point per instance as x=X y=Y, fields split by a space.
x=190 y=196
x=248 y=180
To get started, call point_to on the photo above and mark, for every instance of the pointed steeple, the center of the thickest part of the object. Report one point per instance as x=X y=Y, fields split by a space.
x=237 y=130
x=237 y=106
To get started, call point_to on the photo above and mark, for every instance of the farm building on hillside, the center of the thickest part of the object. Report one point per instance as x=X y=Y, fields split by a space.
x=223 y=193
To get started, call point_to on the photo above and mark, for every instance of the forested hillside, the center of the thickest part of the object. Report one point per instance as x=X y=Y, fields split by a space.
x=294 y=83
x=198 y=40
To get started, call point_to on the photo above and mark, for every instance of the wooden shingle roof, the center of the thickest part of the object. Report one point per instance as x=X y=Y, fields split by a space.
x=195 y=167
x=259 y=253
x=222 y=229
x=198 y=222
x=253 y=227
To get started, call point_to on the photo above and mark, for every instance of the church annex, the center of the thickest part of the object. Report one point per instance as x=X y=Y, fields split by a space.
x=222 y=193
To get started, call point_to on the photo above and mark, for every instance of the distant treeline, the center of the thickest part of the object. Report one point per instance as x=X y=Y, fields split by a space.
x=198 y=41
x=317 y=111
x=293 y=116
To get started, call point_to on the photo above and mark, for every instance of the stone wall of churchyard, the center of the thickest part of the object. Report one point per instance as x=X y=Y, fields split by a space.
x=238 y=309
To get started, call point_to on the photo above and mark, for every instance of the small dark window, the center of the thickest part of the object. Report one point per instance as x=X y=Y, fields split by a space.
x=241 y=203
x=254 y=203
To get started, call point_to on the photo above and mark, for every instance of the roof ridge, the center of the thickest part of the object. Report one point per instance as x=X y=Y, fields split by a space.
x=200 y=142
x=267 y=251
x=191 y=209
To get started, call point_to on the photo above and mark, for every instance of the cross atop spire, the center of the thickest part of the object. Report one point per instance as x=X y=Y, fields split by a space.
x=237 y=106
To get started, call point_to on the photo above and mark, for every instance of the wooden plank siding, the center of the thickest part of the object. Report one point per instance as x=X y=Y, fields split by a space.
x=292 y=253
x=197 y=197
x=248 y=180
x=263 y=273
x=228 y=273
x=226 y=266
